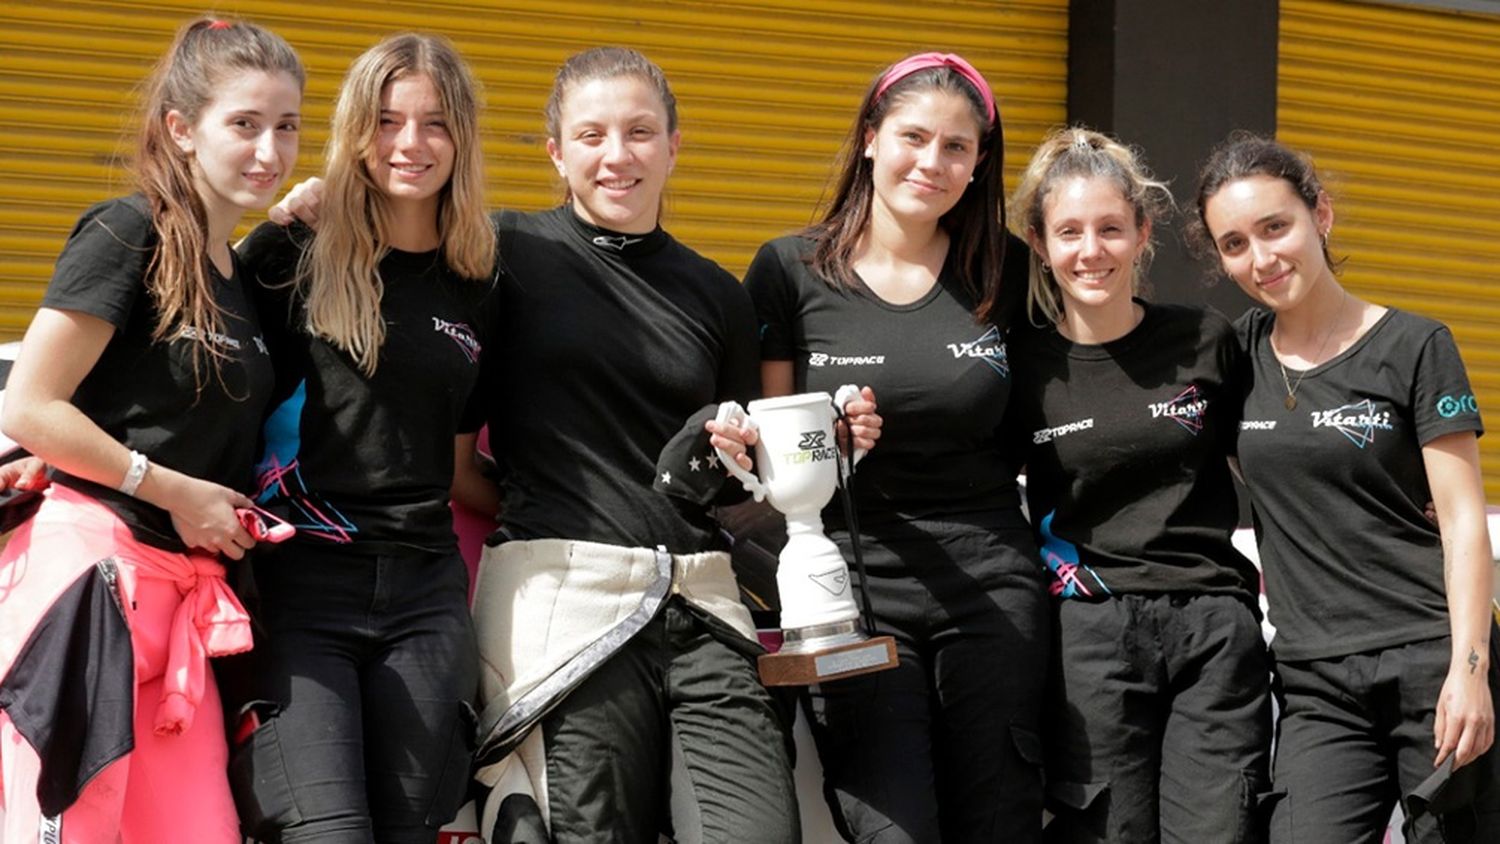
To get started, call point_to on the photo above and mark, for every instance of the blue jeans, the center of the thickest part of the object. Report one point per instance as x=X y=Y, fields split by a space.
x=364 y=682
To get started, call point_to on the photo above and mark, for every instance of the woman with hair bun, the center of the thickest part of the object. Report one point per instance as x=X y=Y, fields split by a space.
x=143 y=379
x=1158 y=724
x=1357 y=417
x=360 y=726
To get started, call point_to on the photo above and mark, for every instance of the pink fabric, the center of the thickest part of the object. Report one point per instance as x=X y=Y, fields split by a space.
x=922 y=61
x=180 y=612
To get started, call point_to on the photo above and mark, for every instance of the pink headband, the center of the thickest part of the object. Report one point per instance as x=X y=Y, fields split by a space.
x=922 y=61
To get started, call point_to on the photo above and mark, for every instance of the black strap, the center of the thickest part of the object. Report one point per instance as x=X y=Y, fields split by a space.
x=846 y=494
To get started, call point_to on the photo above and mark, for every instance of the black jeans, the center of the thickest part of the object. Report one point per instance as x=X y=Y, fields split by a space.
x=1159 y=723
x=365 y=677
x=944 y=747
x=674 y=723
x=1355 y=737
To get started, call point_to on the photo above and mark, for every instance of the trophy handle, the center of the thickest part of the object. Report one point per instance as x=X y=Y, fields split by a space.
x=730 y=412
x=846 y=394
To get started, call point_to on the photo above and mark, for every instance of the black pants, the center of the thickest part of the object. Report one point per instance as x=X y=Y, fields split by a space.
x=1355 y=737
x=367 y=673
x=944 y=747
x=1159 y=723
x=677 y=718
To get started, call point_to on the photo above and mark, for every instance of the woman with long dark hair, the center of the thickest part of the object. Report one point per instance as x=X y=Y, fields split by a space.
x=143 y=379
x=908 y=284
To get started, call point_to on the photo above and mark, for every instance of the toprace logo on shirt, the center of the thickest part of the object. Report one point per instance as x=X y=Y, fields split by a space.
x=825 y=359
x=812 y=448
x=1358 y=422
x=190 y=333
x=1047 y=435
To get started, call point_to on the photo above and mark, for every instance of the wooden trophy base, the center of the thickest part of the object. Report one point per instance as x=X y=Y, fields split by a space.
x=833 y=663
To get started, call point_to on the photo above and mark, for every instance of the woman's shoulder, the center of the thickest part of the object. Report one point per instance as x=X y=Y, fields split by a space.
x=125 y=218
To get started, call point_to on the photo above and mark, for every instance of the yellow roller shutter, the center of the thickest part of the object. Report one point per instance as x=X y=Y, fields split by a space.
x=766 y=90
x=1401 y=108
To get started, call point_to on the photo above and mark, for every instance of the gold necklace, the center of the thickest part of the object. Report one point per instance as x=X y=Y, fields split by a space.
x=1291 y=387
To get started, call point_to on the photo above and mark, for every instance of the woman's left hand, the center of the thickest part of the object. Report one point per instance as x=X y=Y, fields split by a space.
x=1465 y=722
x=860 y=414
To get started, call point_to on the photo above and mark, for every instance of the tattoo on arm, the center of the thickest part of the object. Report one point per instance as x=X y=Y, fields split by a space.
x=1473 y=660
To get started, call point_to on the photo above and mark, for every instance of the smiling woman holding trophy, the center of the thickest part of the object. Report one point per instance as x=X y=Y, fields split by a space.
x=907 y=284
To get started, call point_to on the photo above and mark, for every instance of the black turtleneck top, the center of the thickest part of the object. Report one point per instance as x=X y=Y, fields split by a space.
x=607 y=344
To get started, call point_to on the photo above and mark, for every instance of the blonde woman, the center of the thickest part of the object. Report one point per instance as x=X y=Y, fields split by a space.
x=369 y=661
x=1160 y=716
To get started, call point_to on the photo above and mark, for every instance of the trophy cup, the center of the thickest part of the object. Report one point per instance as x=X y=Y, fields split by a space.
x=798 y=462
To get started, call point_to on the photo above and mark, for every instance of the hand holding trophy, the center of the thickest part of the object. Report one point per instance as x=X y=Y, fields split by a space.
x=798 y=461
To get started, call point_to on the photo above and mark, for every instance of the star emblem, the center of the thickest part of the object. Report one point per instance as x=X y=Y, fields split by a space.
x=713 y=460
x=694 y=464
x=666 y=477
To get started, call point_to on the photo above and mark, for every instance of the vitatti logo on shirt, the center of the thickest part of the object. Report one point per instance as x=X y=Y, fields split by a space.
x=461 y=334
x=989 y=348
x=825 y=359
x=1186 y=409
x=1451 y=406
x=1358 y=421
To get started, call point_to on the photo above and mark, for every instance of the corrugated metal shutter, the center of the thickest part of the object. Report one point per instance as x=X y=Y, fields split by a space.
x=766 y=90
x=1401 y=108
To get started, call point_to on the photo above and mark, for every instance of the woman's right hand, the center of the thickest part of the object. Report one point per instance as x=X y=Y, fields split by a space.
x=733 y=440
x=302 y=202
x=203 y=512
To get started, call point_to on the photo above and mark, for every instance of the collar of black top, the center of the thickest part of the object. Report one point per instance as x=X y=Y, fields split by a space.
x=617 y=243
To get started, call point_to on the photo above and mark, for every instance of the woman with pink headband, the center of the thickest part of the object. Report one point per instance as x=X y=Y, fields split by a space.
x=908 y=284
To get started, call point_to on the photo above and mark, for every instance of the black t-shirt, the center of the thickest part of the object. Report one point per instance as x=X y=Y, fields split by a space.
x=608 y=343
x=350 y=458
x=146 y=394
x=1127 y=480
x=1339 y=485
x=941 y=380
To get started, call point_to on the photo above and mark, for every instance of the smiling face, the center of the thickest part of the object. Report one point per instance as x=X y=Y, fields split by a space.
x=411 y=160
x=923 y=155
x=615 y=150
x=1092 y=240
x=1268 y=240
x=244 y=143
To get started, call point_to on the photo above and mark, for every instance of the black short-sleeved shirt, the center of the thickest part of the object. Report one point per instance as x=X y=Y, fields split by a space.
x=608 y=343
x=941 y=380
x=350 y=458
x=146 y=394
x=1339 y=485
x=1127 y=477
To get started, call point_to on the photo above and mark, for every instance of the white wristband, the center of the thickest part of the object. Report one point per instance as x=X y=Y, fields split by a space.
x=135 y=474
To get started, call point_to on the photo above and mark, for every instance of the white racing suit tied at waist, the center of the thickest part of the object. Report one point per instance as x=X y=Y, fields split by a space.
x=547 y=612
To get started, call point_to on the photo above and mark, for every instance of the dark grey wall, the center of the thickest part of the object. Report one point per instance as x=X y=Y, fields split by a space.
x=1174 y=77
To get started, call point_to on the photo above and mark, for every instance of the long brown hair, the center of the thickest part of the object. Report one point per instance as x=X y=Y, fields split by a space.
x=340 y=275
x=976 y=223
x=179 y=279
